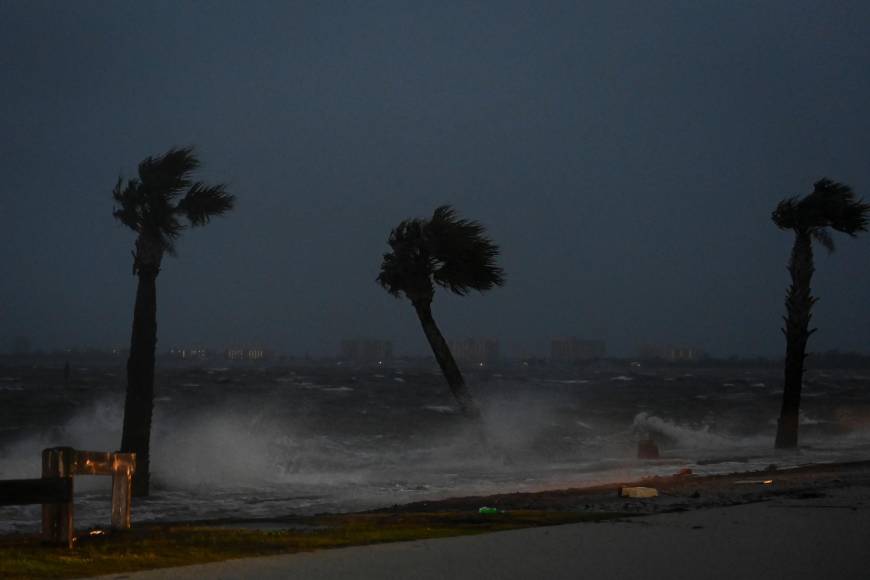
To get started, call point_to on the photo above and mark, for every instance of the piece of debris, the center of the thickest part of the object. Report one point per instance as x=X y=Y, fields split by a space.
x=638 y=492
x=684 y=472
x=488 y=510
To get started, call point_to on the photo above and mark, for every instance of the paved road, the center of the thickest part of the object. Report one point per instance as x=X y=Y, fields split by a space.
x=818 y=538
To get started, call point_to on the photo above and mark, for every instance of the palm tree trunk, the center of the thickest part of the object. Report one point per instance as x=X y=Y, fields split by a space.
x=139 y=403
x=445 y=360
x=798 y=303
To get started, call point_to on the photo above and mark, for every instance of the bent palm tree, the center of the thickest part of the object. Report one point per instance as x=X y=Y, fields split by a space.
x=830 y=205
x=452 y=253
x=154 y=206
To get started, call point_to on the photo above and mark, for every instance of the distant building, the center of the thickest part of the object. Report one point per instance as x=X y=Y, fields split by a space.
x=476 y=351
x=571 y=350
x=366 y=351
x=190 y=353
x=240 y=353
x=671 y=353
x=92 y=352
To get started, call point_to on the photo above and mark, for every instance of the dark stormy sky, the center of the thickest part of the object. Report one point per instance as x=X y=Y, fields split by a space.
x=625 y=155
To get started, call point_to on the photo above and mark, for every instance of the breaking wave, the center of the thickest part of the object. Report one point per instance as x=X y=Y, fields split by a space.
x=691 y=436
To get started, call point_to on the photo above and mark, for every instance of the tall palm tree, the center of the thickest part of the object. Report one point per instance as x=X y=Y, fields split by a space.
x=448 y=251
x=830 y=205
x=156 y=207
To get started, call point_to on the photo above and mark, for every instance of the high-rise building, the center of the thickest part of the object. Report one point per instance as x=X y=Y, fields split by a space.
x=246 y=353
x=189 y=353
x=572 y=349
x=671 y=353
x=366 y=351
x=475 y=351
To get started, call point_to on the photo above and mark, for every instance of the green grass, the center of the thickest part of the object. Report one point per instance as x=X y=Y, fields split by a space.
x=158 y=546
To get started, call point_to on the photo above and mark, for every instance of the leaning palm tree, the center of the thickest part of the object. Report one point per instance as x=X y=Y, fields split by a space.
x=830 y=205
x=448 y=251
x=156 y=206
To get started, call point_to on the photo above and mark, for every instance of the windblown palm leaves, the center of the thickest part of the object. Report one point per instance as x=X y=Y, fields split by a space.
x=150 y=205
x=830 y=205
x=445 y=250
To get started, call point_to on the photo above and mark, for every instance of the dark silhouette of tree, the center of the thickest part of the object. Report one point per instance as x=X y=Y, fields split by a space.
x=452 y=253
x=157 y=206
x=830 y=205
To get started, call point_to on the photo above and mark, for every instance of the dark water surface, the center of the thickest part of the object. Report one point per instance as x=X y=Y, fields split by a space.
x=261 y=442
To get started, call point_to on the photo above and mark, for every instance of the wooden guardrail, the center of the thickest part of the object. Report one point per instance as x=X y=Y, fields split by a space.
x=55 y=489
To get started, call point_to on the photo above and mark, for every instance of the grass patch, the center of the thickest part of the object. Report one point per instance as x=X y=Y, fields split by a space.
x=158 y=546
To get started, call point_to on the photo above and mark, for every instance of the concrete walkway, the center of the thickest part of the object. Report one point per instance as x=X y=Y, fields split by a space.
x=815 y=538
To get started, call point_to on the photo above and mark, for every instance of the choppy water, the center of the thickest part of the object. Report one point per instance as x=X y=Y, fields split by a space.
x=253 y=443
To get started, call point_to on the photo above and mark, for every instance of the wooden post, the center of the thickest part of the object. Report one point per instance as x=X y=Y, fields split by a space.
x=92 y=463
x=123 y=467
x=57 y=518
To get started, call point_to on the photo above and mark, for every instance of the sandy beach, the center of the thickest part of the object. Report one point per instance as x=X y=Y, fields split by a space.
x=810 y=522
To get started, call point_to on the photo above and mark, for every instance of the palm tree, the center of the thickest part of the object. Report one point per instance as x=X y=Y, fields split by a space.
x=830 y=205
x=448 y=251
x=156 y=206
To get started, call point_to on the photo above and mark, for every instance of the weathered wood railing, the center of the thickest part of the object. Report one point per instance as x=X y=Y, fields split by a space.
x=55 y=490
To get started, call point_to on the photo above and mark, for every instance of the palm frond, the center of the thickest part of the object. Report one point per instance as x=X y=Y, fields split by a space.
x=822 y=236
x=830 y=205
x=167 y=242
x=445 y=250
x=128 y=198
x=390 y=277
x=406 y=269
x=835 y=205
x=833 y=188
x=147 y=204
x=464 y=258
x=170 y=173
x=203 y=202
x=785 y=214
